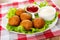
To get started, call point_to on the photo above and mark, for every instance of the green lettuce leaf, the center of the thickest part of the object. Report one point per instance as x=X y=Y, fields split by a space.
x=11 y=12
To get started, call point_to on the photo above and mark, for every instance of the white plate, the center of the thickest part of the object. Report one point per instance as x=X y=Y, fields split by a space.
x=5 y=20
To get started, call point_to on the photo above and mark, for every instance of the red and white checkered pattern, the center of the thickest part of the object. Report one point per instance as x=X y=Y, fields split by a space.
x=5 y=35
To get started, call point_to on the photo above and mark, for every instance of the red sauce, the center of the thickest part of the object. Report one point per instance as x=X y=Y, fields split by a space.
x=32 y=9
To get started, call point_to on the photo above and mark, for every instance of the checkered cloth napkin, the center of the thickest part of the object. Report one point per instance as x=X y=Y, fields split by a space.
x=5 y=35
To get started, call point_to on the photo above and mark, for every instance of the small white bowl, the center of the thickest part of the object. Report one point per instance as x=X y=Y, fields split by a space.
x=30 y=5
x=47 y=13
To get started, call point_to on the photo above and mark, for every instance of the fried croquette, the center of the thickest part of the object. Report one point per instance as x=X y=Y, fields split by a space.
x=25 y=16
x=20 y=11
x=14 y=21
x=27 y=24
x=38 y=22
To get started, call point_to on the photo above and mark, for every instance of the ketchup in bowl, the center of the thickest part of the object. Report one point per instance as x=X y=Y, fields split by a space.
x=32 y=9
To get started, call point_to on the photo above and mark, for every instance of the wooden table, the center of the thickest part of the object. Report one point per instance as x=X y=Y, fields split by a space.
x=54 y=38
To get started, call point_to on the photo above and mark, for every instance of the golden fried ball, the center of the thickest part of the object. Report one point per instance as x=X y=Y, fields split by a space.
x=27 y=24
x=25 y=16
x=14 y=21
x=38 y=22
x=20 y=11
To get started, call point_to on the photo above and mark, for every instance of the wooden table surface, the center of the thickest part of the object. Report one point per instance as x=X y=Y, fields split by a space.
x=54 y=38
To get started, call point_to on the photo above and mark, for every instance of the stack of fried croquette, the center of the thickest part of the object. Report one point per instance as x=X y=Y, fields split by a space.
x=25 y=19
